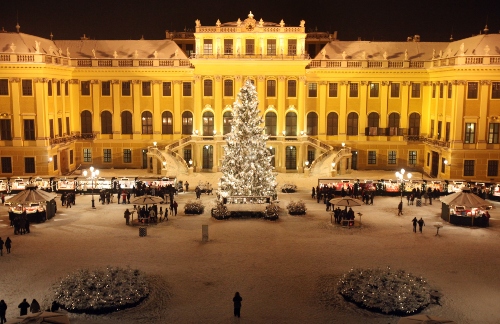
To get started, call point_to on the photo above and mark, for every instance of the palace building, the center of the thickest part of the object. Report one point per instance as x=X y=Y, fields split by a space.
x=165 y=105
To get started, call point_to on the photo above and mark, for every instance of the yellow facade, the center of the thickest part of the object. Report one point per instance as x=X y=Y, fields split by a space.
x=111 y=100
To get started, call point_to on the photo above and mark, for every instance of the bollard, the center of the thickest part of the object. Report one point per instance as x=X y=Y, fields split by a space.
x=143 y=231
x=204 y=233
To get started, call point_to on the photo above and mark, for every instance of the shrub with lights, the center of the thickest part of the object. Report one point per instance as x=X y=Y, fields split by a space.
x=296 y=207
x=101 y=291
x=386 y=291
x=194 y=207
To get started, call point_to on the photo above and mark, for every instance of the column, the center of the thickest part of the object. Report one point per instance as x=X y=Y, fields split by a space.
x=280 y=103
x=384 y=97
x=405 y=94
x=74 y=105
x=136 y=115
x=261 y=91
x=41 y=120
x=157 y=120
x=96 y=111
x=198 y=104
x=17 y=127
x=482 y=129
x=177 y=93
x=218 y=104
x=363 y=101
x=117 y=121
x=458 y=114
x=301 y=104
x=343 y=108
x=322 y=94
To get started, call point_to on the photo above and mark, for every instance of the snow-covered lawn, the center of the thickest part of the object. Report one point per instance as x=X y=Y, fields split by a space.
x=281 y=268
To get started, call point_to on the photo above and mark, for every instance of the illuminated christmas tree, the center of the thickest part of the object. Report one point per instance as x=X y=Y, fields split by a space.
x=246 y=168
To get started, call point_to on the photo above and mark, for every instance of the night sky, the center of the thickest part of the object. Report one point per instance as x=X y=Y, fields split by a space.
x=379 y=20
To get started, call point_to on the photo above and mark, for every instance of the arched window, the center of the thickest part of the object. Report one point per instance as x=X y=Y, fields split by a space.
x=106 y=123
x=271 y=123
x=332 y=124
x=227 y=118
x=352 y=124
x=187 y=123
x=167 y=123
x=126 y=122
x=208 y=123
x=414 y=124
x=373 y=120
x=147 y=122
x=393 y=124
x=291 y=124
x=312 y=124
x=86 y=122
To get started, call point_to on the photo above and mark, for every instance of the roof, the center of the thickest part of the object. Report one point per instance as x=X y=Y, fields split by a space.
x=25 y=43
x=124 y=48
x=422 y=51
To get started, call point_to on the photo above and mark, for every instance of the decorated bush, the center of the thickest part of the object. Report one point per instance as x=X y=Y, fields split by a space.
x=296 y=207
x=220 y=211
x=272 y=211
x=288 y=187
x=101 y=291
x=194 y=207
x=384 y=290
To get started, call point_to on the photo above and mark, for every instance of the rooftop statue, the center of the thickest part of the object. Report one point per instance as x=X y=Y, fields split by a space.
x=197 y=22
x=37 y=47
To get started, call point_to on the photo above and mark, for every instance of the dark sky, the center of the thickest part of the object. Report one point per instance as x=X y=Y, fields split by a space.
x=371 y=20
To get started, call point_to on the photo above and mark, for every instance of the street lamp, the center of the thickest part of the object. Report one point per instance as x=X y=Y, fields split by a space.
x=400 y=176
x=93 y=175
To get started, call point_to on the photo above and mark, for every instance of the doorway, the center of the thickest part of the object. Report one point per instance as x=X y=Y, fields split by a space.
x=435 y=164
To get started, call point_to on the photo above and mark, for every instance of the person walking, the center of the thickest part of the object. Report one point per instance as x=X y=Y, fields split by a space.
x=24 y=306
x=186 y=184
x=3 y=311
x=126 y=215
x=1 y=246
x=420 y=224
x=175 y=205
x=128 y=197
x=35 y=306
x=400 y=208
x=313 y=193
x=8 y=244
x=237 y=304
x=414 y=221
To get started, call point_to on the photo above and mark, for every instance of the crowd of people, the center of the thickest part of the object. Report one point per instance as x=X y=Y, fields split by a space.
x=24 y=307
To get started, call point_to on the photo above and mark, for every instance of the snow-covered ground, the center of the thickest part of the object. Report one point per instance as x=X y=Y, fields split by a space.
x=282 y=269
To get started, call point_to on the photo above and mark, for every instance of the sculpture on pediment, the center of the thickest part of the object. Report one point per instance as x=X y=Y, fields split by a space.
x=433 y=53
x=12 y=47
x=67 y=52
x=462 y=49
x=323 y=53
x=115 y=55
x=344 y=55
x=238 y=22
x=93 y=53
x=197 y=22
x=486 y=50
x=136 y=54
x=176 y=53
x=406 y=55
x=155 y=54
x=37 y=47
x=302 y=23
x=60 y=51
x=363 y=56
x=282 y=23
x=250 y=15
x=385 y=55
x=50 y=50
x=261 y=23
x=218 y=23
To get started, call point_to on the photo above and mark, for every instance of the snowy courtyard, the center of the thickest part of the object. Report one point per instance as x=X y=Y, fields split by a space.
x=285 y=270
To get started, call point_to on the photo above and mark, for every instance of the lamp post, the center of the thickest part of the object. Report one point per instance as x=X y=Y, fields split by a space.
x=400 y=176
x=93 y=175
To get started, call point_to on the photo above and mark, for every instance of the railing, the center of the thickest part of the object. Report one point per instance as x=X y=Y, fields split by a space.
x=282 y=57
x=416 y=64
x=395 y=64
x=436 y=142
x=320 y=144
x=146 y=63
x=104 y=63
x=413 y=138
x=473 y=60
x=4 y=57
x=374 y=64
x=84 y=62
x=25 y=58
x=125 y=63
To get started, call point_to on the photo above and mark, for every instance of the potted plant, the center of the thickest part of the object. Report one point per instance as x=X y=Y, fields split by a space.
x=296 y=208
x=272 y=211
x=220 y=211
x=195 y=207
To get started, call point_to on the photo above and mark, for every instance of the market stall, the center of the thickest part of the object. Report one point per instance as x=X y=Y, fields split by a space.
x=466 y=209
